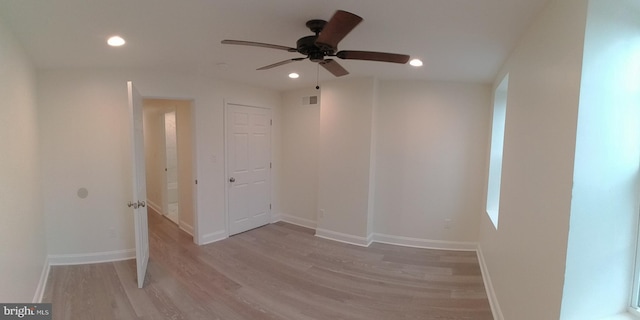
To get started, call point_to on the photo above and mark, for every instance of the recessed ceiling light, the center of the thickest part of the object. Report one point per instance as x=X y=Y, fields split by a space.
x=416 y=62
x=115 y=41
x=294 y=75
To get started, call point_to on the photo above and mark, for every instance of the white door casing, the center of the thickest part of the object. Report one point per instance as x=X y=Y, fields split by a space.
x=139 y=184
x=248 y=163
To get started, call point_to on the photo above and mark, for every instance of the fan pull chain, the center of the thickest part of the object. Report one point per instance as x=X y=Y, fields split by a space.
x=318 y=76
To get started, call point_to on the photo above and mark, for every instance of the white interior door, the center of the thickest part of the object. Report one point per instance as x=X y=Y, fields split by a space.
x=248 y=142
x=171 y=199
x=139 y=184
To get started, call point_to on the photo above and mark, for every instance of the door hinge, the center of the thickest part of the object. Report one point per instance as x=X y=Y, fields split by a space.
x=270 y=164
x=196 y=181
x=269 y=206
x=271 y=121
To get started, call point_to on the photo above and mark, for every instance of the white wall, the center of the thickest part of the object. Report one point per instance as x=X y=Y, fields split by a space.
x=86 y=144
x=604 y=207
x=22 y=240
x=430 y=159
x=422 y=142
x=300 y=138
x=526 y=255
x=344 y=157
x=186 y=165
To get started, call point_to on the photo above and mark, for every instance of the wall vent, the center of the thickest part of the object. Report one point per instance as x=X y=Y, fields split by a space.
x=311 y=100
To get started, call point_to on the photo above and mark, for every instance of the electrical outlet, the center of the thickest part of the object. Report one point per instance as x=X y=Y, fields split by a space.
x=321 y=213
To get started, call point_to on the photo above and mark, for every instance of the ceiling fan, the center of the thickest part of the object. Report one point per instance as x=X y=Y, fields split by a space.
x=325 y=44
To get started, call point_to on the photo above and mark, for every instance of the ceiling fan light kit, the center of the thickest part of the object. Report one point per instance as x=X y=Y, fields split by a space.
x=324 y=43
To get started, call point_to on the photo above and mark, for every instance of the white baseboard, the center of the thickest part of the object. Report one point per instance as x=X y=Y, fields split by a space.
x=186 y=228
x=383 y=238
x=425 y=243
x=86 y=258
x=488 y=285
x=42 y=284
x=275 y=217
x=155 y=207
x=298 y=221
x=213 y=237
x=343 y=237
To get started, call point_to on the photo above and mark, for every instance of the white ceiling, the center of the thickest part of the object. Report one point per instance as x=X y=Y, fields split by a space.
x=459 y=40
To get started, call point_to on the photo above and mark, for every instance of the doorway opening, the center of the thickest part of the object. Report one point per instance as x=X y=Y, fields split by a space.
x=169 y=158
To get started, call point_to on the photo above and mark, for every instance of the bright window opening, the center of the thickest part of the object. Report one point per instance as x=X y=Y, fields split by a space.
x=497 y=143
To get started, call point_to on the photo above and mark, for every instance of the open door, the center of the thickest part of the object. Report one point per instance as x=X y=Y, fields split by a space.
x=139 y=184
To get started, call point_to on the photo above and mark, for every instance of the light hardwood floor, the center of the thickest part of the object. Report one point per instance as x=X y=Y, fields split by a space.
x=279 y=271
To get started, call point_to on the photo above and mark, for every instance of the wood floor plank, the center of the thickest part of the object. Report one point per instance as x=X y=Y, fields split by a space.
x=143 y=306
x=277 y=272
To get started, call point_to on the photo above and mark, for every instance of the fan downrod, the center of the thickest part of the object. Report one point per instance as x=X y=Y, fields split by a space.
x=316 y=25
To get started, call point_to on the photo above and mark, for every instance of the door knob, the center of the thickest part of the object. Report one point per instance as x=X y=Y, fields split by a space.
x=232 y=179
x=133 y=204
x=141 y=204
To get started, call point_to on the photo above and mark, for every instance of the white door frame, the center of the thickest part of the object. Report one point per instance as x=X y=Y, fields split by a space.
x=226 y=161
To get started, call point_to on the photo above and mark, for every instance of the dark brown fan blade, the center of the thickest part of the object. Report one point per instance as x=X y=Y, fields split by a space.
x=373 y=56
x=334 y=67
x=277 y=64
x=336 y=29
x=258 y=44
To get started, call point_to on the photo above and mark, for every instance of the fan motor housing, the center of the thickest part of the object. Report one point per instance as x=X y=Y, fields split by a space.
x=307 y=46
